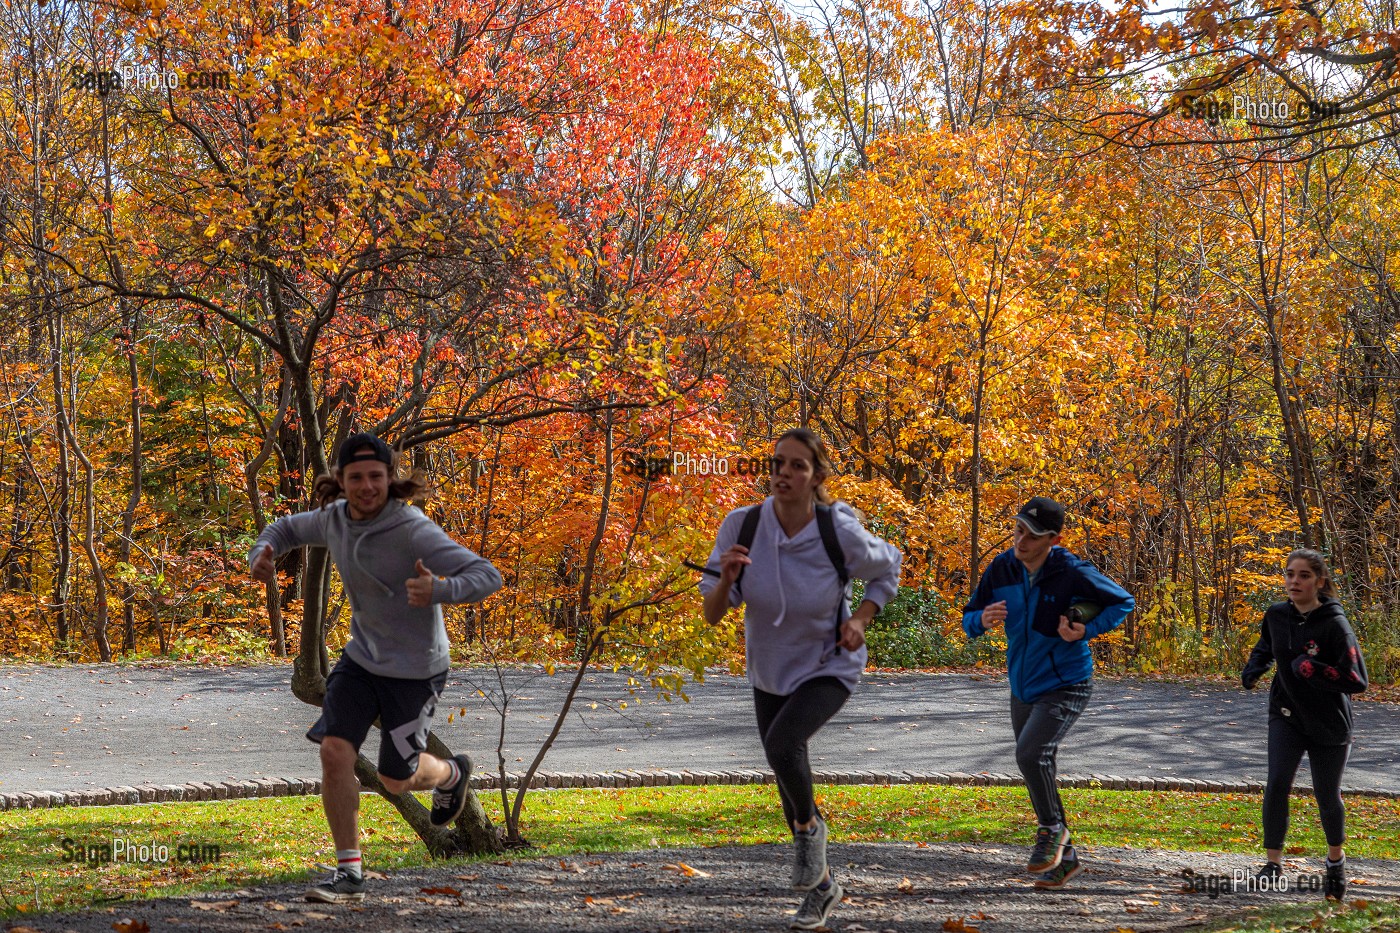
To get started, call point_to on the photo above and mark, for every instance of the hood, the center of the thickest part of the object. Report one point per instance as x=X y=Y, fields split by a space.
x=1328 y=608
x=395 y=513
x=1057 y=560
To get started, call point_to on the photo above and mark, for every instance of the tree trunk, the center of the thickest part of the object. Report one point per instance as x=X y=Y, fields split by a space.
x=974 y=557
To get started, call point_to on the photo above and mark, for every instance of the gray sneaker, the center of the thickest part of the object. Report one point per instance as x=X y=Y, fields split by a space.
x=340 y=888
x=809 y=856
x=817 y=906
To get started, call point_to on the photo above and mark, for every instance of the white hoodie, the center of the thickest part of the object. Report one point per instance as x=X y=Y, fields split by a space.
x=790 y=595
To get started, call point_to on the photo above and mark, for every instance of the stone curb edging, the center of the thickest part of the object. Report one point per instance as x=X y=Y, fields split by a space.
x=297 y=787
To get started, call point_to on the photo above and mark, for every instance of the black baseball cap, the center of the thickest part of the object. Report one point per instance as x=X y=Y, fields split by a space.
x=1042 y=516
x=353 y=450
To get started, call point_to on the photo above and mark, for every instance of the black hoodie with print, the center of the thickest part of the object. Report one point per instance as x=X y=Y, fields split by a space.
x=1319 y=664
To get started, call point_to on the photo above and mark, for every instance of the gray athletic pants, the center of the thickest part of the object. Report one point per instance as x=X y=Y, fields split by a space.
x=1039 y=727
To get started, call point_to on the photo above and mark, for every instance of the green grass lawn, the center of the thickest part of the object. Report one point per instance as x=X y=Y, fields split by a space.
x=1356 y=916
x=277 y=839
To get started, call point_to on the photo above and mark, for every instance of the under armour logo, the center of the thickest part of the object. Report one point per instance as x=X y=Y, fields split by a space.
x=1035 y=512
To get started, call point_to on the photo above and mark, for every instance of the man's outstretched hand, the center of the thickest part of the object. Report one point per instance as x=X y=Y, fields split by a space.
x=263 y=568
x=420 y=588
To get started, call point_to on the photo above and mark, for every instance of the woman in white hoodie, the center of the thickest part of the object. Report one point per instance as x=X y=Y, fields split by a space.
x=804 y=655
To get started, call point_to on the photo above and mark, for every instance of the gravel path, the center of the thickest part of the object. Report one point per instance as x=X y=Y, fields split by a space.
x=890 y=887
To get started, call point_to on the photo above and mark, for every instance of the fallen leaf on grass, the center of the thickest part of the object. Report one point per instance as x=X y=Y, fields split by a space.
x=1360 y=905
x=686 y=870
x=1295 y=850
x=213 y=905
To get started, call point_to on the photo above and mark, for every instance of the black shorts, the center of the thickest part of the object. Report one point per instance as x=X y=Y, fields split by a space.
x=404 y=707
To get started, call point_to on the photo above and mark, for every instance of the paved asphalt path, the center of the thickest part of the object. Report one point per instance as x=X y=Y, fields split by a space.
x=76 y=728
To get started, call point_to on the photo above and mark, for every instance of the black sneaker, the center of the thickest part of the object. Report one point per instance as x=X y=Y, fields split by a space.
x=1268 y=876
x=1059 y=876
x=1049 y=849
x=340 y=888
x=817 y=907
x=1334 y=880
x=448 y=804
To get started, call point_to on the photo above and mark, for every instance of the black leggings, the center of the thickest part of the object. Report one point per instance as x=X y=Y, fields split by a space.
x=1286 y=747
x=785 y=724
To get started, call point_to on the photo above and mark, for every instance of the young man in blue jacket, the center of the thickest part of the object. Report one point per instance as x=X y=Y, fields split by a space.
x=1030 y=590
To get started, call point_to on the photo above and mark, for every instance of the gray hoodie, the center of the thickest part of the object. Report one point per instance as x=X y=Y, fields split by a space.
x=791 y=593
x=376 y=558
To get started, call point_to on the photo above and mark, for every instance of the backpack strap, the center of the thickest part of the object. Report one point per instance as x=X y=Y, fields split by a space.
x=826 y=524
x=747 y=531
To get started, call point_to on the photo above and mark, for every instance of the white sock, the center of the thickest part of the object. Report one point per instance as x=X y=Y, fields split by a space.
x=348 y=860
x=455 y=777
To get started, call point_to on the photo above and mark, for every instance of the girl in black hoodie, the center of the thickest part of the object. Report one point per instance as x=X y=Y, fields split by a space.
x=1319 y=664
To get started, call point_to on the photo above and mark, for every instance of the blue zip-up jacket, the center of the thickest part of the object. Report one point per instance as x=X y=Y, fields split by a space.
x=1038 y=660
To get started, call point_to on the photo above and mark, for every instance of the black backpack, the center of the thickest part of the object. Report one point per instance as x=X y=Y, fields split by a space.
x=826 y=524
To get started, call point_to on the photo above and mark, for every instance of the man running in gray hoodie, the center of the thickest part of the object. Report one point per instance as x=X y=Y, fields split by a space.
x=397 y=567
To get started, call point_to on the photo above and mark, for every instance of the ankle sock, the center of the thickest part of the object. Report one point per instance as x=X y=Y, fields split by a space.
x=348 y=860
x=1340 y=861
x=456 y=775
